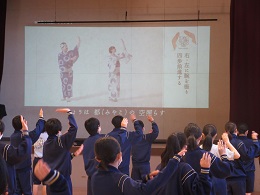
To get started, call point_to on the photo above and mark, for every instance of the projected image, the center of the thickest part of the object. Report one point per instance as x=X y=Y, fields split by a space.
x=152 y=67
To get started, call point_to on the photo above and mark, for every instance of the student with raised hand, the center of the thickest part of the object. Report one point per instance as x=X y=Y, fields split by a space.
x=209 y=134
x=236 y=182
x=141 y=151
x=185 y=180
x=93 y=127
x=108 y=180
x=24 y=168
x=13 y=155
x=249 y=165
x=56 y=149
x=126 y=138
x=220 y=168
x=54 y=179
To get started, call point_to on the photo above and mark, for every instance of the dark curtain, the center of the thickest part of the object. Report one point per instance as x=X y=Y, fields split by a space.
x=245 y=62
x=2 y=35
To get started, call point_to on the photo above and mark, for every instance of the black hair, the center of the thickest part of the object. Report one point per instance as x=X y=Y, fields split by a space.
x=91 y=125
x=16 y=122
x=242 y=128
x=116 y=121
x=111 y=48
x=174 y=144
x=230 y=128
x=53 y=126
x=192 y=132
x=141 y=123
x=3 y=176
x=2 y=126
x=209 y=131
x=106 y=150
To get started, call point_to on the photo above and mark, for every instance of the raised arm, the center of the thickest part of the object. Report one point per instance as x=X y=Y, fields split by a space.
x=230 y=146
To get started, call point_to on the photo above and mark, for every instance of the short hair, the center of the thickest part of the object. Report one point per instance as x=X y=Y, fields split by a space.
x=2 y=126
x=91 y=125
x=16 y=122
x=62 y=44
x=111 y=48
x=106 y=150
x=53 y=126
x=116 y=121
x=242 y=128
x=141 y=123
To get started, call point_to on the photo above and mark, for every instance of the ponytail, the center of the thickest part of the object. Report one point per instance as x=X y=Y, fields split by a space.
x=192 y=132
x=207 y=143
x=192 y=143
x=209 y=131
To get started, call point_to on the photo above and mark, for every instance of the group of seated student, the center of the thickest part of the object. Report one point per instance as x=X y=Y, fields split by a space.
x=190 y=163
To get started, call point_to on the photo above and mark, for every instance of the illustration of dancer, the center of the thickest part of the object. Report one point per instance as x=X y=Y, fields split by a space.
x=66 y=59
x=114 y=70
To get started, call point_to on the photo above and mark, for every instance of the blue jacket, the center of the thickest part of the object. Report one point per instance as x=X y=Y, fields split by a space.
x=114 y=182
x=126 y=140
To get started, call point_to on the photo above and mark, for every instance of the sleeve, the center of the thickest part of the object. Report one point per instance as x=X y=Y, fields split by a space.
x=58 y=184
x=14 y=155
x=35 y=134
x=194 y=183
x=68 y=138
x=150 y=137
x=230 y=154
x=221 y=168
x=129 y=186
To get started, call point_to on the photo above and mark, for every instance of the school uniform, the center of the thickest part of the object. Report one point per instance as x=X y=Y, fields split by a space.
x=24 y=169
x=141 y=154
x=186 y=181
x=236 y=182
x=90 y=163
x=14 y=155
x=57 y=183
x=56 y=150
x=126 y=140
x=219 y=169
x=114 y=182
x=249 y=165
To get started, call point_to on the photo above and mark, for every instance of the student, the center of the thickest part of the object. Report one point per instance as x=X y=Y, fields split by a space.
x=38 y=153
x=185 y=180
x=209 y=134
x=220 y=168
x=3 y=177
x=126 y=138
x=108 y=180
x=141 y=152
x=248 y=165
x=236 y=182
x=56 y=149
x=13 y=155
x=92 y=125
x=54 y=179
x=24 y=169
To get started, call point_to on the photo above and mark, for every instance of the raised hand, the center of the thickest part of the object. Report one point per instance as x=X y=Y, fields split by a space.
x=124 y=122
x=24 y=123
x=65 y=110
x=205 y=161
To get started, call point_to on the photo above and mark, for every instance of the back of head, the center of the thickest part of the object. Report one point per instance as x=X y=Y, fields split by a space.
x=209 y=131
x=2 y=127
x=230 y=128
x=172 y=147
x=192 y=133
x=3 y=176
x=16 y=122
x=116 y=121
x=106 y=151
x=242 y=128
x=53 y=126
x=91 y=125
x=141 y=123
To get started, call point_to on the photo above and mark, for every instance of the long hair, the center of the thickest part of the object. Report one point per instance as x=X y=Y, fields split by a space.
x=192 y=132
x=174 y=144
x=106 y=151
x=209 y=131
x=230 y=128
